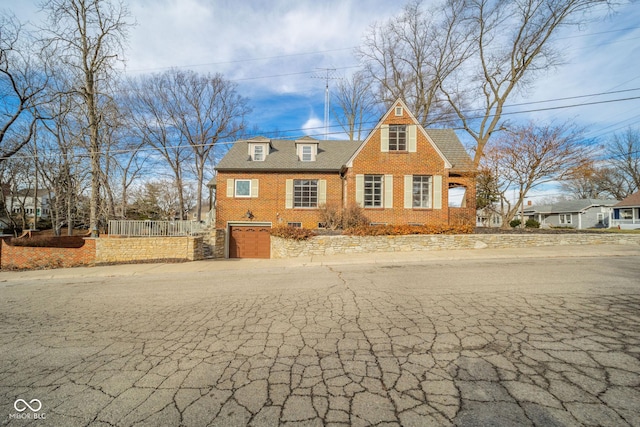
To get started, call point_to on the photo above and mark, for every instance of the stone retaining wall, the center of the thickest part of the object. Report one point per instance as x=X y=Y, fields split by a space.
x=133 y=249
x=332 y=245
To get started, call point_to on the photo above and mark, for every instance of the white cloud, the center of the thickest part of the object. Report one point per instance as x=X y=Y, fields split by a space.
x=314 y=127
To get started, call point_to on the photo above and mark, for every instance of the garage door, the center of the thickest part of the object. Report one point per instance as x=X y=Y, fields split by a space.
x=250 y=242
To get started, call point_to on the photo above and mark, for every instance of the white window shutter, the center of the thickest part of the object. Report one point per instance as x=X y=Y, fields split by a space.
x=322 y=192
x=408 y=191
x=230 y=189
x=384 y=138
x=360 y=190
x=412 y=137
x=288 y=201
x=388 y=191
x=437 y=192
x=254 y=188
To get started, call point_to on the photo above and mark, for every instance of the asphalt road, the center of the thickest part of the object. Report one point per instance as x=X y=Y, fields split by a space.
x=515 y=339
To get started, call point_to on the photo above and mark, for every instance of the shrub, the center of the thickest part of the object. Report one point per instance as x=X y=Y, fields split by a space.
x=532 y=223
x=403 y=230
x=514 y=223
x=48 y=242
x=353 y=216
x=293 y=233
x=331 y=216
x=335 y=217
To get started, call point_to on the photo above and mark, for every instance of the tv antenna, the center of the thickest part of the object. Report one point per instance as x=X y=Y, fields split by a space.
x=327 y=74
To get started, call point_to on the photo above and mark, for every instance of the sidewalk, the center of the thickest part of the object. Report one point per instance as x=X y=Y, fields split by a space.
x=568 y=251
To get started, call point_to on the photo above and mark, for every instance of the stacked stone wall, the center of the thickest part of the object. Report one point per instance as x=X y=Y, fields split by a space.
x=335 y=245
x=133 y=249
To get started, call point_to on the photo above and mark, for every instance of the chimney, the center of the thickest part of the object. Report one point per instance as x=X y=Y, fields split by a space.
x=529 y=203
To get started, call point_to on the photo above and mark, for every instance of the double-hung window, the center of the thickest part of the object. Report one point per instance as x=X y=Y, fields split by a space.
x=306 y=154
x=305 y=193
x=421 y=191
x=373 y=191
x=565 y=218
x=397 y=138
x=258 y=153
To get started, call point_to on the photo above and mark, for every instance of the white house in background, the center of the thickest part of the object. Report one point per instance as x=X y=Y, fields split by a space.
x=488 y=218
x=32 y=205
x=626 y=214
x=579 y=214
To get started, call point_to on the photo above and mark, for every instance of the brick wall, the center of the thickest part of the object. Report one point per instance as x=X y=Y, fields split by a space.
x=132 y=249
x=269 y=206
x=22 y=257
x=335 y=245
x=425 y=161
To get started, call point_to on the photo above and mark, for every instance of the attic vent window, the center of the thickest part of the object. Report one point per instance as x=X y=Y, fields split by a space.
x=398 y=111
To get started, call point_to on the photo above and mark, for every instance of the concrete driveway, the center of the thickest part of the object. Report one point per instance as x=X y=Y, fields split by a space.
x=519 y=337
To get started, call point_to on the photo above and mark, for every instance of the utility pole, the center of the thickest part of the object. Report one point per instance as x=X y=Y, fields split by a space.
x=329 y=74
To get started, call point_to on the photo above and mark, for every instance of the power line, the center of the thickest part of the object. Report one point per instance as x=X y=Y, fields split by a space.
x=236 y=61
x=123 y=151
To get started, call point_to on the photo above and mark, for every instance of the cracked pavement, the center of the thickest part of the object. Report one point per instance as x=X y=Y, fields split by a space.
x=537 y=341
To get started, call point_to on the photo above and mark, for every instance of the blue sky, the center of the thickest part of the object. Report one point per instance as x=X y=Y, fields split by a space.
x=274 y=48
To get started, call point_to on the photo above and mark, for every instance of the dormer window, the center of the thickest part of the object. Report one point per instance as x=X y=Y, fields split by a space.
x=258 y=153
x=259 y=149
x=307 y=155
x=397 y=138
x=307 y=150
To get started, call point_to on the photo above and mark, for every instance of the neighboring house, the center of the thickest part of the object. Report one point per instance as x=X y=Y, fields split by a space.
x=579 y=214
x=26 y=201
x=626 y=214
x=400 y=174
x=488 y=218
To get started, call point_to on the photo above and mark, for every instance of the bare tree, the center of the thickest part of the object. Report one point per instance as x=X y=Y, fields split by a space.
x=473 y=53
x=355 y=104
x=528 y=156
x=411 y=54
x=182 y=107
x=152 y=125
x=206 y=109
x=23 y=78
x=86 y=36
x=621 y=176
x=616 y=174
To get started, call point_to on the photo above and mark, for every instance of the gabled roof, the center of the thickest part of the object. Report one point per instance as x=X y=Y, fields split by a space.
x=632 y=200
x=569 y=206
x=444 y=141
x=332 y=156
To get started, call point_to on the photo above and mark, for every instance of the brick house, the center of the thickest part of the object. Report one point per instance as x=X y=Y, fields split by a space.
x=400 y=174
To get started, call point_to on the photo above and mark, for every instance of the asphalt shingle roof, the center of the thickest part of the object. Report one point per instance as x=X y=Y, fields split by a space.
x=451 y=147
x=567 y=206
x=332 y=155
x=632 y=200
